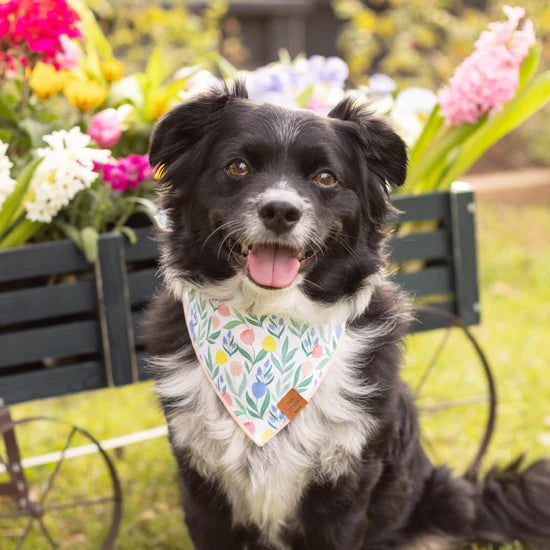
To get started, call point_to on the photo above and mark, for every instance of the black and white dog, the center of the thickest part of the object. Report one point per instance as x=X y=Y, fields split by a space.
x=348 y=472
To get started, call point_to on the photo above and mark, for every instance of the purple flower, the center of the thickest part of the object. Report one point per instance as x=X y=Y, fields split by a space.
x=328 y=69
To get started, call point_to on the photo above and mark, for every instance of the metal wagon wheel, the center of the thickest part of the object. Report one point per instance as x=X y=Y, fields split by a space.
x=454 y=327
x=46 y=501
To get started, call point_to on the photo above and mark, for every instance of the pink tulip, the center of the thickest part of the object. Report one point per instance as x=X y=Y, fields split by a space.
x=69 y=56
x=247 y=336
x=105 y=128
x=250 y=427
x=317 y=351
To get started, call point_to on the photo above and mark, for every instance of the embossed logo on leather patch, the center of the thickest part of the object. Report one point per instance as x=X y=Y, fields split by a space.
x=291 y=404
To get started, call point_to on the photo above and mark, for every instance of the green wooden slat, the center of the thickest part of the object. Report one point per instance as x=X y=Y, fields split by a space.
x=146 y=247
x=465 y=259
x=26 y=346
x=41 y=259
x=47 y=302
x=143 y=284
x=432 y=206
x=114 y=297
x=426 y=282
x=50 y=382
x=421 y=246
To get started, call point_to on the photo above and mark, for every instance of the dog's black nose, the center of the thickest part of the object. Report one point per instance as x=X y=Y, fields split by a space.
x=279 y=216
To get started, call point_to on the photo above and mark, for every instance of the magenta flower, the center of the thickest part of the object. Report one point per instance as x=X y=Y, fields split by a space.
x=489 y=78
x=38 y=25
x=105 y=128
x=127 y=172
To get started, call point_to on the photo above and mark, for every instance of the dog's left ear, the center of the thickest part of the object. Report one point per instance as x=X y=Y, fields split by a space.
x=384 y=151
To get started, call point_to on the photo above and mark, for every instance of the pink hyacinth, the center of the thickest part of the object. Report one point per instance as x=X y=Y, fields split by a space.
x=36 y=26
x=127 y=172
x=105 y=127
x=69 y=56
x=489 y=78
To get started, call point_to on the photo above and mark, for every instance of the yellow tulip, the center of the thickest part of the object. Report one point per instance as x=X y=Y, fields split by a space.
x=85 y=94
x=112 y=70
x=267 y=434
x=45 y=81
x=269 y=344
x=221 y=357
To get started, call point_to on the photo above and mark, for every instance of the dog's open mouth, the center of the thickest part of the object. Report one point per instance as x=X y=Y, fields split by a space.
x=271 y=265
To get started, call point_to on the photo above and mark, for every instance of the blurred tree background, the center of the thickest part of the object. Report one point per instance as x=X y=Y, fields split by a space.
x=416 y=42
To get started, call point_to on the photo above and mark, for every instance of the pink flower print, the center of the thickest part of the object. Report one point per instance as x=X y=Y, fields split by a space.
x=215 y=322
x=223 y=310
x=307 y=368
x=236 y=368
x=227 y=398
x=250 y=427
x=317 y=351
x=248 y=336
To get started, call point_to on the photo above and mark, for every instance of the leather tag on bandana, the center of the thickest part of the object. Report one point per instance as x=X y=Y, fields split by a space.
x=291 y=404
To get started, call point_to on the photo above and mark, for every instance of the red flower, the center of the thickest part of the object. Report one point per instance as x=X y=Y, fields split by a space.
x=250 y=427
x=247 y=336
x=223 y=310
x=317 y=351
x=227 y=398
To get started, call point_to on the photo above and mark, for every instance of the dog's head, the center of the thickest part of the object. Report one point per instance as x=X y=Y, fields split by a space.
x=270 y=202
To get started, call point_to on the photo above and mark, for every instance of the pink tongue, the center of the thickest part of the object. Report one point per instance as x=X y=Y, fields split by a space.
x=273 y=265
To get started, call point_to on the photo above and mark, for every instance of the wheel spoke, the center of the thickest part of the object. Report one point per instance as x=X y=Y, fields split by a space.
x=25 y=534
x=473 y=400
x=433 y=361
x=17 y=514
x=57 y=467
x=46 y=533
x=77 y=504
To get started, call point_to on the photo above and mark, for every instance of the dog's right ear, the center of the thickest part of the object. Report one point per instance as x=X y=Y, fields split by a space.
x=185 y=126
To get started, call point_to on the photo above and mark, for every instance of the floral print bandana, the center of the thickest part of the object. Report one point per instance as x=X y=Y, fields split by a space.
x=264 y=369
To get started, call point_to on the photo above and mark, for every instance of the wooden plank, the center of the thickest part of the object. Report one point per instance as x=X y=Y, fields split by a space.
x=421 y=246
x=78 y=338
x=35 y=260
x=143 y=367
x=137 y=323
x=47 y=302
x=50 y=382
x=429 y=281
x=465 y=257
x=114 y=309
x=431 y=206
x=146 y=247
x=142 y=285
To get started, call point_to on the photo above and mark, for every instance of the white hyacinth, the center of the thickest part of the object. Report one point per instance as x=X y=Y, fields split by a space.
x=7 y=184
x=66 y=169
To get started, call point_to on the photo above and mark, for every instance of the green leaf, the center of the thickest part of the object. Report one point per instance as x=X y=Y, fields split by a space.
x=305 y=97
x=251 y=403
x=535 y=96
x=15 y=199
x=529 y=66
x=20 y=234
x=89 y=239
x=266 y=402
x=232 y=324
x=260 y=356
x=129 y=233
x=432 y=126
x=244 y=353
x=72 y=233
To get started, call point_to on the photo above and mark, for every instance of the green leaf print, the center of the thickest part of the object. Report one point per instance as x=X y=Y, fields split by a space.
x=266 y=402
x=232 y=324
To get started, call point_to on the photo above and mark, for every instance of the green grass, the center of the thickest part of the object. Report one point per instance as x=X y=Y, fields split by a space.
x=514 y=267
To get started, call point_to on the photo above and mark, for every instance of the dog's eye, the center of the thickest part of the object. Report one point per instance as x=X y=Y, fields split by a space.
x=237 y=168
x=325 y=178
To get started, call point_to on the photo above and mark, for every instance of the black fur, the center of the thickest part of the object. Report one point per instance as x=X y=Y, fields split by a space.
x=394 y=494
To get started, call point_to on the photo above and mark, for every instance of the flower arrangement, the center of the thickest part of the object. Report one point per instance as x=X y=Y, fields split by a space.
x=74 y=130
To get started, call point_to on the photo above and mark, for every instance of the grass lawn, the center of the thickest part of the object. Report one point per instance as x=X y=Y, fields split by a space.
x=514 y=269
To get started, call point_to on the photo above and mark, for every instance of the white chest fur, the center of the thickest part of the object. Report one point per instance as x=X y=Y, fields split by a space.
x=265 y=484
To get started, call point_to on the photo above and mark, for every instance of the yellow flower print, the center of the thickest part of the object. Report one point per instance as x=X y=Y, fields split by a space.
x=221 y=357
x=267 y=434
x=269 y=344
